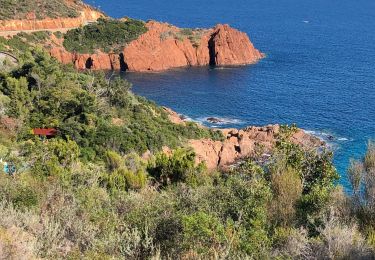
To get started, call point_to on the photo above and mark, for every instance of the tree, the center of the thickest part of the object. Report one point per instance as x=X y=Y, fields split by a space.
x=172 y=169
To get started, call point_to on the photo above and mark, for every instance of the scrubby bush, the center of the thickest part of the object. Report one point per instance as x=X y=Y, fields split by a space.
x=205 y=230
x=287 y=190
x=106 y=35
x=175 y=168
x=340 y=241
x=194 y=35
x=291 y=243
x=19 y=9
x=113 y=160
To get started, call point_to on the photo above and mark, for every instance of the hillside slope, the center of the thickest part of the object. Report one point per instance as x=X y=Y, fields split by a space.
x=22 y=15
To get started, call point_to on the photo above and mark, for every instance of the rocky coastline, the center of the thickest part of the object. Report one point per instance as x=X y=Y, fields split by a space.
x=240 y=144
x=159 y=50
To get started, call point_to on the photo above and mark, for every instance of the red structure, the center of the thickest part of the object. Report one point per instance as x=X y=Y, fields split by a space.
x=47 y=132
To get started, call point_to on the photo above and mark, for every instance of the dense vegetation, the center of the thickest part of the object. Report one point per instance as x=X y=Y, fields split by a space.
x=107 y=35
x=19 y=9
x=20 y=43
x=95 y=112
x=88 y=194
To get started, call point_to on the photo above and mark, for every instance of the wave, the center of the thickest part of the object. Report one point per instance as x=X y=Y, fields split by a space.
x=331 y=139
x=214 y=121
x=186 y=118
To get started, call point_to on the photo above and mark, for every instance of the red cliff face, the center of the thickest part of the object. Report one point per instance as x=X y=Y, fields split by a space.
x=164 y=47
x=231 y=47
x=158 y=49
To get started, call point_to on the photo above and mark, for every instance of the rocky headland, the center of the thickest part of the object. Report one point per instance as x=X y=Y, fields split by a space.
x=164 y=47
x=161 y=47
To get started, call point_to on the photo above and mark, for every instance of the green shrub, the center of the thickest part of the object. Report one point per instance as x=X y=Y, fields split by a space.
x=22 y=195
x=113 y=160
x=173 y=169
x=135 y=180
x=287 y=190
x=106 y=35
x=205 y=230
x=59 y=35
x=53 y=158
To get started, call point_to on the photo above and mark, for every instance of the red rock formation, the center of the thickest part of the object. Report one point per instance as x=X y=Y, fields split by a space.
x=232 y=47
x=220 y=46
x=158 y=50
x=174 y=117
x=97 y=61
x=62 y=55
x=240 y=144
x=164 y=47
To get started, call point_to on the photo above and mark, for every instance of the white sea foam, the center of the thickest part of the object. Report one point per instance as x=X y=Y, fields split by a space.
x=189 y=119
x=331 y=139
x=222 y=121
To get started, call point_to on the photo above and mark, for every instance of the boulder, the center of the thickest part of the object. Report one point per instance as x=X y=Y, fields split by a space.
x=207 y=151
x=214 y=120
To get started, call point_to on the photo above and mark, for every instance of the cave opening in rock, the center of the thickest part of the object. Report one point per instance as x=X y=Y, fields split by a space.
x=89 y=63
x=123 y=64
x=211 y=49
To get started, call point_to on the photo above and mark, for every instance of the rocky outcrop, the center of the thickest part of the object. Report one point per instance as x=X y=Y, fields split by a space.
x=174 y=117
x=164 y=47
x=231 y=47
x=87 y=15
x=240 y=144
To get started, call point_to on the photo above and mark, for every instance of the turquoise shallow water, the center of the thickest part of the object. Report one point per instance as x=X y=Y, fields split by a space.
x=319 y=71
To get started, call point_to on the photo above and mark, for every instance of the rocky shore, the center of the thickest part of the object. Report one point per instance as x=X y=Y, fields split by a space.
x=241 y=144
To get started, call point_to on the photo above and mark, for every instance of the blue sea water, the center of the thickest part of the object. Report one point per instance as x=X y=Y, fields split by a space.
x=319 y=71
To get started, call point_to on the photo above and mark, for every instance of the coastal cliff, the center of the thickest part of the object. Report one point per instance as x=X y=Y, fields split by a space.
x=164 y=47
